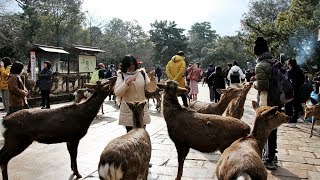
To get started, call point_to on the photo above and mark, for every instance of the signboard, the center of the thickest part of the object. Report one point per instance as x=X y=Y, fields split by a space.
x=87 y=63
x=33 y=65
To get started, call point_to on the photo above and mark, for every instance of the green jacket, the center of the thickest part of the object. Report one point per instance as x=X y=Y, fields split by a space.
x=263 y=72
x=264 y=79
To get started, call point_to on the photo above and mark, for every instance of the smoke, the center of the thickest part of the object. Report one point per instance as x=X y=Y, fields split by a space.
x=304 y=49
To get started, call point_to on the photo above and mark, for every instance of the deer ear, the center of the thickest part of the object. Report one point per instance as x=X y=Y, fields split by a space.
x=271 y=111
x=255 y=105
x=221 y=91
x=142 y=104
x=161 y=85
x=239 y=86
x=182 y=90
x=90 y=85
x=130 y=105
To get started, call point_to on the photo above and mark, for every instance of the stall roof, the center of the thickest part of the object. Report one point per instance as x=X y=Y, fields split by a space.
x=52 y=49
x=86 y=48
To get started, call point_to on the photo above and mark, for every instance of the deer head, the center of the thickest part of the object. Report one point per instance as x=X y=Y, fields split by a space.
x=268 y=117
x=172 y=88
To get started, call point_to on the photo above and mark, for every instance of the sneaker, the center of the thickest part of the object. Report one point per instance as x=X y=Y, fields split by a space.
x=270 y=165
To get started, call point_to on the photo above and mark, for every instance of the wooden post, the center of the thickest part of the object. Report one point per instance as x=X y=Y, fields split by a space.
x=68 y=72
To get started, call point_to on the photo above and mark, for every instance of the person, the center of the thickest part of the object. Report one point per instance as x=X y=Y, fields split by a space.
x=229 y=66
x=186 y=74
x=316 y=80
x=263 y=83
x=175 y=70
x=209 y=72
x=98 y=73
x=45 y=84
x=297 y=79
x=5 y=67
x=158 y=73
x=130 y=87
x=17 y=91
x=235 y=74
x=194 y=77
x=218 y=82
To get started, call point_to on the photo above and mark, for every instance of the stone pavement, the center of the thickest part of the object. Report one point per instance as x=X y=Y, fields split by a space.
x=299 y=155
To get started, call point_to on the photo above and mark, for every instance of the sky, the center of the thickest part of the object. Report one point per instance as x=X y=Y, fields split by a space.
x=224 y=15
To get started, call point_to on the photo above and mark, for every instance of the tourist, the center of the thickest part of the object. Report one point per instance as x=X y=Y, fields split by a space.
x=17 y=91
x=45 y=84
x=235 y=75
x=5 y=66
x=175 y=71
x=158 y=73
x=209 y=72
x=130 y=87
x=218 y=82
x=194 y=77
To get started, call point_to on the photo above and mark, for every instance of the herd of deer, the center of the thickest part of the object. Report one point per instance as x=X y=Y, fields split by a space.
x=206 y=127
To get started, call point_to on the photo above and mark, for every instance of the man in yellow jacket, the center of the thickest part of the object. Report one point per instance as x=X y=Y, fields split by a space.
x=175 y=71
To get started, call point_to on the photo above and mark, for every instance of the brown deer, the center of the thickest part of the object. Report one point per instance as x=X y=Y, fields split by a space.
x=65 y=124
x=312 y=111
x=236 y=106
x=217 y=108
x=242 y=159
x=128 y=156
x=190 y=129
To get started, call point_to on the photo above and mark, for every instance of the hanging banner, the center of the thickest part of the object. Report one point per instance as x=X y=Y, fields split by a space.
x=33 y=65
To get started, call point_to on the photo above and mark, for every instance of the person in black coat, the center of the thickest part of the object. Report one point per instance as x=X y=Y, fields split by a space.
x=209 y=72
x=158 y=73
x=45 y=84
x=218 y=82
x=297 y=78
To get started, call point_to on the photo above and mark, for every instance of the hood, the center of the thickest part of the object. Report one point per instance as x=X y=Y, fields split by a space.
x=177 y=58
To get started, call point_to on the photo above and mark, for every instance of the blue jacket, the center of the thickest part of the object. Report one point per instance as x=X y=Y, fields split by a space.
x=45 y=82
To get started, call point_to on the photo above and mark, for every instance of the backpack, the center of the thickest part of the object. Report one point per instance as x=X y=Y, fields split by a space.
x=95 y=76
x=305 y=92
x=235 y=77
x=282 y=90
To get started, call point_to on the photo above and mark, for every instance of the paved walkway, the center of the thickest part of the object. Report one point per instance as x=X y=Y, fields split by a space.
x=299 y=155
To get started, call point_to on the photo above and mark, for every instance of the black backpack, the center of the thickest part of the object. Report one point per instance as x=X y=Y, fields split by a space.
x=235 y=77
x=282 y=90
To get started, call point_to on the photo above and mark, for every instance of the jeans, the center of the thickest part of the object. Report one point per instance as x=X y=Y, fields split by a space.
x=272 y=145
x=159 y=77
x=211 y=91
x=292 y=109
x=5 y=99
x=45 y=96
x=217 y=96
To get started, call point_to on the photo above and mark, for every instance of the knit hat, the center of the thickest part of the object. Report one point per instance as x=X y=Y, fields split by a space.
x=261 y=46
x=101 y=65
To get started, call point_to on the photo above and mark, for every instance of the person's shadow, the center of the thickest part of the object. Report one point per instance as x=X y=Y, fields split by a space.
x=282 y=173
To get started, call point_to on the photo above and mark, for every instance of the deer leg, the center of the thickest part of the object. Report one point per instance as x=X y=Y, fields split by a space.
x=11 y=149
x=313 y=122
x=102 y=109
x=73 y=151
x=182 y=154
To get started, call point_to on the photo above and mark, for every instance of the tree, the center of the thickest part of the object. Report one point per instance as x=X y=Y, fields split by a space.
x=260 y=21
x=224 y=50
x=200 y=35
x=122 y=38
x=299 y=25
x=167 y=40
x=52 y=22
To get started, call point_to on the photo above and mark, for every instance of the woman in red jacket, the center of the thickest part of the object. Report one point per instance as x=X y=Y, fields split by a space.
x=194 y=76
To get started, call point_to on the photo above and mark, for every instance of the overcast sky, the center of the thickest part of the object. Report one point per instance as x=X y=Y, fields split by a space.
x=224 y=15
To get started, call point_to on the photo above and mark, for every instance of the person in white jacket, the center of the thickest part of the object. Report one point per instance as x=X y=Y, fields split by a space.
x=130 y=87
x=235 y=75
